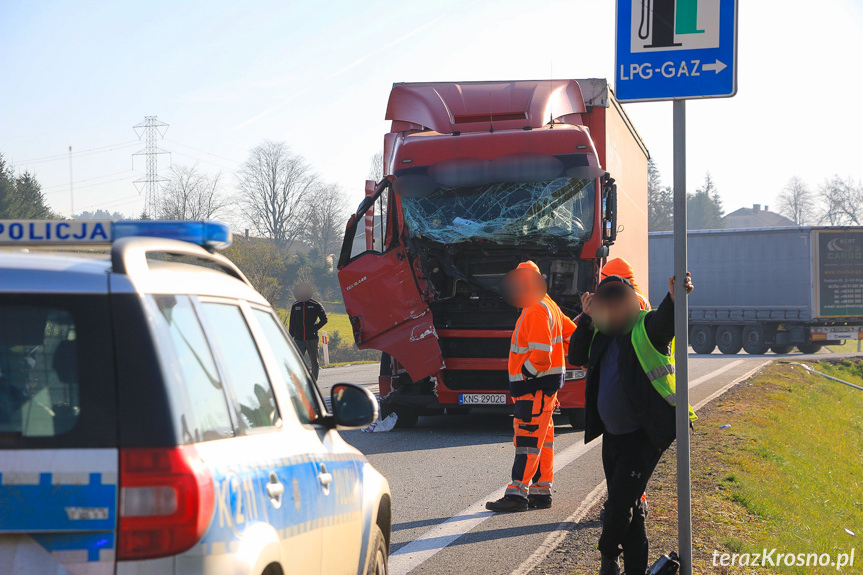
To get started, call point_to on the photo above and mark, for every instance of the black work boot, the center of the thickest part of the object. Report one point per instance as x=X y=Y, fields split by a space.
x=539 y=501
x=508 y=504
x=609 y=565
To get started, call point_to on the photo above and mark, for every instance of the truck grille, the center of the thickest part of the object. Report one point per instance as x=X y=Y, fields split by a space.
x=476 y=380
x=474 y=347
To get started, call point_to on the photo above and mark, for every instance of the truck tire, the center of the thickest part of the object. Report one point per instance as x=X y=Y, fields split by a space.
x=386 y=365
x=703 y=339
x=809 y=347
x=781 y=349
x=407 y=418
x=753 y=340
x=729 y=339
x=576 y=418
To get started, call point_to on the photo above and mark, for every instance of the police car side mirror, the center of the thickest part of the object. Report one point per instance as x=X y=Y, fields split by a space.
x=353 y=406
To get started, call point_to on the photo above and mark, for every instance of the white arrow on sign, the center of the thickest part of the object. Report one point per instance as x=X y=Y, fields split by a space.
x=717 y=66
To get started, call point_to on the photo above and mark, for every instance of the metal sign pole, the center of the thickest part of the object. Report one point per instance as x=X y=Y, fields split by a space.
x=681 y=334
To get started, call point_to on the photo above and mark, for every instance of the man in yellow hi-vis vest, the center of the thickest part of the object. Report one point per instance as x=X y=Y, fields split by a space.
x=629 y=400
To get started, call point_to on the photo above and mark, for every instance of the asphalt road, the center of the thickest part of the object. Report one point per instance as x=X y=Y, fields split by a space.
x=442 y=472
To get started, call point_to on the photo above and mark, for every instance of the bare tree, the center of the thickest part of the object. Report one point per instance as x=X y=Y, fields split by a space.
x=190 y=195
x=796 y=203
x=325 y=218
x=273 y=186
x=376 y=167
x=843 y=202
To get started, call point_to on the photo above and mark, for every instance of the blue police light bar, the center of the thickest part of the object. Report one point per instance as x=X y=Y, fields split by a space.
x=211 y=235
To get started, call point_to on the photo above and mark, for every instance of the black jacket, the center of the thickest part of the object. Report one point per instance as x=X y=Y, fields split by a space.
x=307 y=317
x=655 y=415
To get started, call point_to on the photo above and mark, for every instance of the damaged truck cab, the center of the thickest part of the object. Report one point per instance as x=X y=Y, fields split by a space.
x=478 y=178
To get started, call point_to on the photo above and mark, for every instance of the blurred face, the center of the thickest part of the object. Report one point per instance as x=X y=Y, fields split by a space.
x=523 y=288
x=303 y=292
x=615 y=315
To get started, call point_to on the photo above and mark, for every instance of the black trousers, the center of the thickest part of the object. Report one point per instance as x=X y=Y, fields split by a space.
x=628 y=461
x=309 y=346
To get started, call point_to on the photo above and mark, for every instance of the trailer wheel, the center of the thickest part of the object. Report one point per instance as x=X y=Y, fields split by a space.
x=753 y=340
x=781 y=349
x=729 y=339
x=702 y=340
x=576 y=418
x=809 y=347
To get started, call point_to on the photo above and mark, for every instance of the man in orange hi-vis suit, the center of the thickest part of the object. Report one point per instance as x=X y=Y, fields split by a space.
x=621 y=267
x=537 y=365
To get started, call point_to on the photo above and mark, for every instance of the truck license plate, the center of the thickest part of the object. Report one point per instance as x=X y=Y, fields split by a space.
x=482 y=399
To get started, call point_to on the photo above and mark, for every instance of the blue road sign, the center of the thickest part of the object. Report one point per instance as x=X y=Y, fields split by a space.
x=676 y=49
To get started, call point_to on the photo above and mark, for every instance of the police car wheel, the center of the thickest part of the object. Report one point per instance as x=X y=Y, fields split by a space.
x=378 y=564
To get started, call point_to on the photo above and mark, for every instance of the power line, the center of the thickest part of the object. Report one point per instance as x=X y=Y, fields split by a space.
x=203 y=151
x=65 y=155
x=90 y=185
x=151 y=129
x=78 y=182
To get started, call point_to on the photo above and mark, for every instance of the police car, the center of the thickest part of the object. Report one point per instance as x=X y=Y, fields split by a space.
x=155 y=417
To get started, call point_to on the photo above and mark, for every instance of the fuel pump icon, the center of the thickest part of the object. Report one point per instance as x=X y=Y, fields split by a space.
x=662 y=20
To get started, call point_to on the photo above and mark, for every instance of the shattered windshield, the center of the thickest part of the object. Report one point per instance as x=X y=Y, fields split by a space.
x=505 y=213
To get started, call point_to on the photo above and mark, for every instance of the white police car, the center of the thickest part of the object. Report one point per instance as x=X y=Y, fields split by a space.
x=155 y=418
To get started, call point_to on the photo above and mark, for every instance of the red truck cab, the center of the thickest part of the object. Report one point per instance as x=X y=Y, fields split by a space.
x=479 y=177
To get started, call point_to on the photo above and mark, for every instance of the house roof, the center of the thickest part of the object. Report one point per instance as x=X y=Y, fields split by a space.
x=755 y=217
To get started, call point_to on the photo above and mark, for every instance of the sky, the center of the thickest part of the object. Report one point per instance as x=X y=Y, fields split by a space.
x=226 y=76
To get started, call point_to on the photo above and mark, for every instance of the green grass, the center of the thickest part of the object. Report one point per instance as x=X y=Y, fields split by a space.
x=339 y=322
x=335 y=322
x=800 y=469
x=786 y=474
x=850 y=346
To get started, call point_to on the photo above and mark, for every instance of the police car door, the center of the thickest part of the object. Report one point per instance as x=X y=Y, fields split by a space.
x=338 y=480
x=58 y=435
x=281 y=518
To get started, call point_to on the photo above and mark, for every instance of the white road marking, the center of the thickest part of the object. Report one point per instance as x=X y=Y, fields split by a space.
x=423 y=548
x=557 y=536
x=716 y=372
x=728 y=386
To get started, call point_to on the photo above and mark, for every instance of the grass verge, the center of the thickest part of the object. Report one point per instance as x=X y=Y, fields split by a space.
x=785 y=474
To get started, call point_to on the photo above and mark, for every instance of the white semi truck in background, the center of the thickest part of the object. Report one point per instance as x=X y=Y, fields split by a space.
x=768 y=288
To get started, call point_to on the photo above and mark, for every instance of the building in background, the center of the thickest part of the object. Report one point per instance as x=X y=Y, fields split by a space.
x=755 y=217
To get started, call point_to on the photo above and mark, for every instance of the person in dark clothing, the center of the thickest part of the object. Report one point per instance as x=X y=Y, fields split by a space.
x=306 y=319
x=629 y=401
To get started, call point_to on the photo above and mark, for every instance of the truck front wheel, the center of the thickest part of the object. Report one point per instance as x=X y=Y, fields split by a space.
x=406 y=418
x=729 y=339
x=753 y=340
x=702 y=339
x=809 y=347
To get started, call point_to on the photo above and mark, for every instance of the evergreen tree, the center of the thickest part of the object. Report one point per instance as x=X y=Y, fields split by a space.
x=30 y=201
x=21 y=196
x=660 y=201
x=7 y=189
x=704 y=209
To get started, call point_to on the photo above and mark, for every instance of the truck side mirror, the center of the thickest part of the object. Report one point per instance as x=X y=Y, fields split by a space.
x=609 y=210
